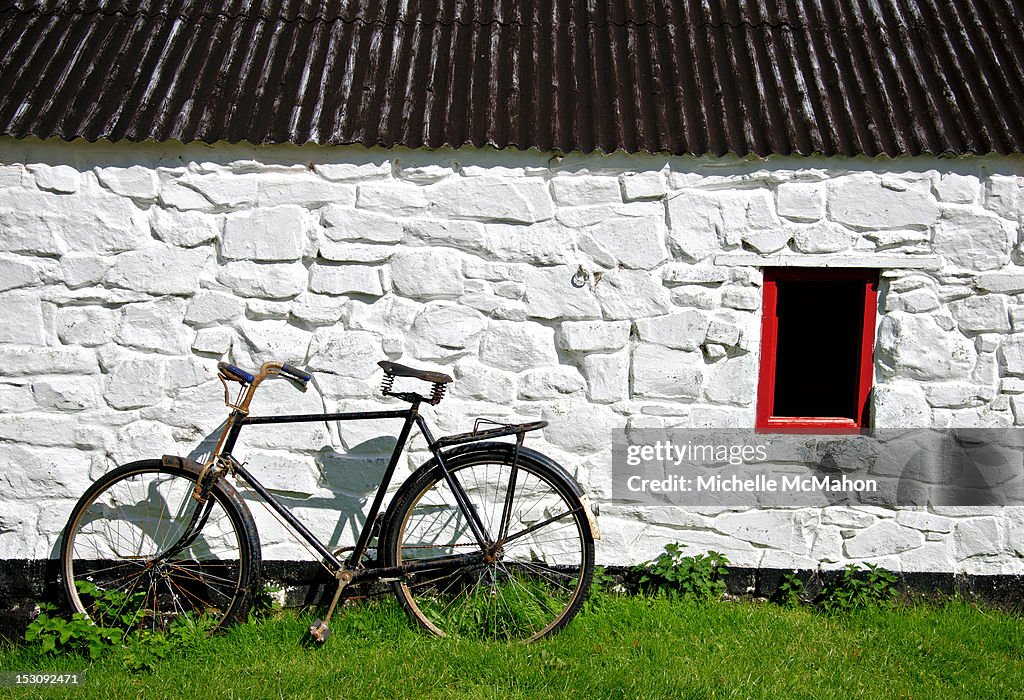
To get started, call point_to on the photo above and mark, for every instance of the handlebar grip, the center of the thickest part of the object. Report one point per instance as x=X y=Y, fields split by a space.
x=236 y=373
x=295 y=373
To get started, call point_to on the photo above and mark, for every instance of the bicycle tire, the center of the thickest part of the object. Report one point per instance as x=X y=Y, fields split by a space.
x=114 y=555
x=536 y=583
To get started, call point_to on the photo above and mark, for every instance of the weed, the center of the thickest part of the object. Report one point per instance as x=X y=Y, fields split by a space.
x=791 y=590
x=860 y=588
x=701 y=576
x=77 y=635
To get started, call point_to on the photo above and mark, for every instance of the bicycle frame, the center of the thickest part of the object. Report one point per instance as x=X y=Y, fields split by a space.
x=240 y=417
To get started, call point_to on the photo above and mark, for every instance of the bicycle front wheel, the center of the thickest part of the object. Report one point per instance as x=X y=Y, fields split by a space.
x=529 y=578
x=140 y=552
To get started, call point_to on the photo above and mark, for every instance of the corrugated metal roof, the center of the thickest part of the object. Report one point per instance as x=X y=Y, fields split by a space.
x=836 y=77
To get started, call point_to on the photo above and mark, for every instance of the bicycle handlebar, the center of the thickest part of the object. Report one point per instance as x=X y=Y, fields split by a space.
x=296 y=375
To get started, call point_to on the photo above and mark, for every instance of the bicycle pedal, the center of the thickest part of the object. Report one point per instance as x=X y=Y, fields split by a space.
x=319 y=631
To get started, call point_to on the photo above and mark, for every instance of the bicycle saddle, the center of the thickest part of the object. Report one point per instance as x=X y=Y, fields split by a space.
x=397 y=370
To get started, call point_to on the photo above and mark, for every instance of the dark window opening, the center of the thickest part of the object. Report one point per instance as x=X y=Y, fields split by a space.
x=817 y=351
x=817 y=343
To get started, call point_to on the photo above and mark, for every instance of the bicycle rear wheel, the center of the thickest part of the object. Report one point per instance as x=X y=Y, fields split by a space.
x=523 y=585
x=139 y=552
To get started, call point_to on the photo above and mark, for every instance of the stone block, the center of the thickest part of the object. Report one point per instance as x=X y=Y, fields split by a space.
x=49 y=224
x=155 y=326
x=302 y=190
x=695 y=220
x=643 y=185
x=136 y=181
x=723 y=332
x=159 y=269
x=179 y=194
x=957 y=189
x=694 y=298
x=578 y=426
x=632 y=242
x=541 y=244
x=1006 y=282
x=882 y=539
x=982 y=314
x=393 y=198
x=769 y=240
x=18 y=361
x=801 y=201
x=1002 y=195
x=1012 y=352
x=426 y=174
x=186 y=229
x=907 y=239
x=550 y=382
x=607 y=377
x=584 y=190
x=866 y=202
x=474 y=380
x=469 y=236
x=274 y=234
x=900 y=406
x=344 y=224
x=214 y=341
x=917 y=347
x=14 y=175
x=442 y=330
x=958 y=395
x=267 y=281
x=524 y=200
x=918 y=301
x=228 y=189
x=271 y=340
x=85 y=325
x=353 y=172
x=550 y=294
x=976 y=537
x=346 y=353
x=23 y=314
x=62 y=179
x=15 y=273
x=345 y=279
x=135 y=383
x=66 y=393
x=732 y=381
x=928 y=522
x=823 y=237
x=593 y=336
x=775 y=529
x=343 y=251
x=630 y=294
x=663 y=373
x=682 y=331
x=972 y=240
x=80 y=270
x=38 y=473
x=743 y=299
x=426 y=274
x=681 y=273
x=207 y=308
x=515 y=347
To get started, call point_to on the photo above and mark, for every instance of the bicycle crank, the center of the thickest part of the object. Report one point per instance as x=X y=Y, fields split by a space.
x=319 y=630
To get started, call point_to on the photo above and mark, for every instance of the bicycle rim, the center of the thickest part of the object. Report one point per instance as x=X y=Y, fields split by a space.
x=128 y=562
x=532 y=583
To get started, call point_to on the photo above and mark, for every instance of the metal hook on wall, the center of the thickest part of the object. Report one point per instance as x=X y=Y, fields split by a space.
x=580 y=278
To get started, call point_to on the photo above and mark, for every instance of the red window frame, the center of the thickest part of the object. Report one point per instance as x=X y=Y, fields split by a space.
x=765 y=420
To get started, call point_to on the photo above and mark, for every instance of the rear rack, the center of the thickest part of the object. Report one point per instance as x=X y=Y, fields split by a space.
x=501 y=430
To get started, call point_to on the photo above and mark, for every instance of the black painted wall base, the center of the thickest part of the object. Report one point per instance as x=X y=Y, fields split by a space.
x=24 y=583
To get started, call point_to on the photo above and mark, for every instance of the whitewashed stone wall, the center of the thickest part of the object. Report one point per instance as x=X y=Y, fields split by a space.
x=127 y=271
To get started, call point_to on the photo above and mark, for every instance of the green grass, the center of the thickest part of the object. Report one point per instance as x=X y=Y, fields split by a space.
x=625 y=647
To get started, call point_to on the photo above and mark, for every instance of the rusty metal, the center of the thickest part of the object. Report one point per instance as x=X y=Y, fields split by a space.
x=833 y=77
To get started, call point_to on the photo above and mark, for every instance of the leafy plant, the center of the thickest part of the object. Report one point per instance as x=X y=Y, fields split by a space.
x=790 y=590
x=700 y=576
x=860 y=588
x=77 y=635
x=266 y=602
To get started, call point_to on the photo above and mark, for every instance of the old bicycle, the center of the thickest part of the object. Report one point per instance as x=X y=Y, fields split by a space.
x=487 y=538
